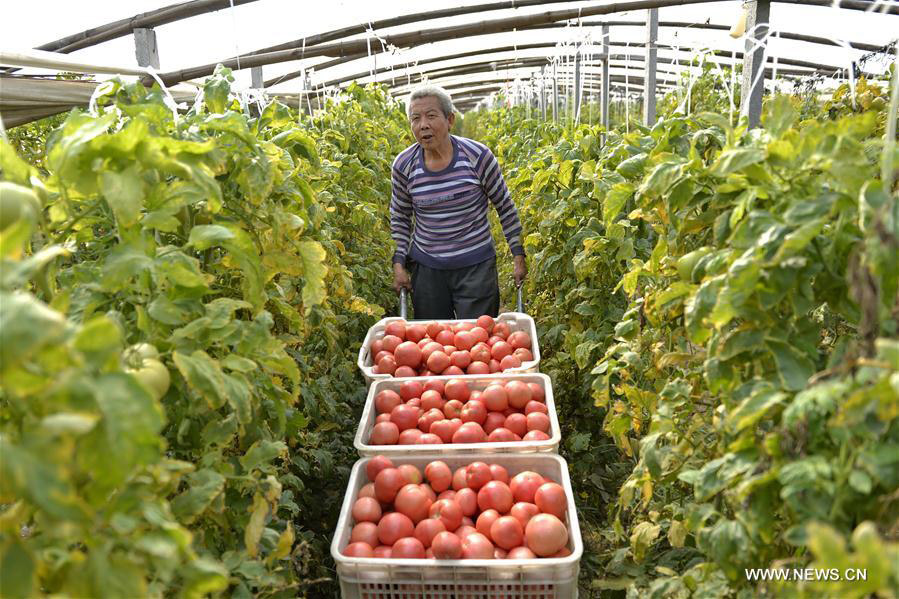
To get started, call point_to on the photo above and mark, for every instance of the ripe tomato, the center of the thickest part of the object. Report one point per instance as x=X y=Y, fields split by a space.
x=499 y=473
x=464 y=340
x=480 y=335
x=468 y=501
x=387 y=365
x=429 y=439
x=461 y=359
x=375 y=465
x=446 y=545
x=500 y=350
x=404 y=372
x=495 y=397
x=520 y=339
x=438 y=361
x=434 y=385
x=536 y=436
x=537 y=393
x=386 y=400
x=429 y=349
x=391 y=342
x=507 y=532
x=439 y=475
x=536 y=406
x=485 y=521
x=509 y=362
x=519 y=394
x=358 y=550
x=524 y=485
x=376 y=347
x=384 y=433
x=495 y=495
x=427 y=529
x=412 y=501
x=452 y=370
x=408 y=353
x=408 y=548
x=518 y=553
x=453 y=408
x=416 y=332
x=445 y=337
x=433 y=328
x=501 y=329
x=524 y=511
x=383 y=551
x=431 y=399
x=410 y=473
x=410 y=389
x=366 y=509
x=517 y=423
x=470 y=432
x=477 y=546
x=538 y=421
x=447 y=511
x=550 y=499
x=501 y=435
x=393 y=527
x=444 y=429
x=396 y=328
x=428 y=419
x=388 y=482
x=545 y=535
x=523 y=354
x=485 y=322
x=474 y=411
x=478 y=368
x=457 y=389
x=494 y=421
x=405 y=416
x=365 y=532
x=477 y=474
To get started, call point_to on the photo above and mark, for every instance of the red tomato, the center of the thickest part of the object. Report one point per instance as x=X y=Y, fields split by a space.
x=465 y=326
x=376 y=346
x=405 y=416
x=427 y=529
x=493 y=340
x=386 y=400
x=408 y=548
x=495 y=397
x=494 y=421
x=415 y=402
x=519 y=394
x=481 y=353
x=384 y=433
x=524 y=511
x=433 y=328
x=448 y=494
x=391 y=342
x=507 y=532
x=536 y=406
x=495 y=495
x=524 y=485
x=545 y=535
x=404 y=372
x=495 y=366
x=408 y=353
x=460 y=478
x=523 y=354
x=477 y=474
x=367 y=490
x=485 y=520
x=438 y=361
x=453 y=408
x=500 y=350
x=464 y=340
x=517 y=423
x=443 y=429
x=428 y=419
x=445 y=337
x=501 y=435
x=410 y=389
x=480 y=335
x=468 y=501
x=499 y=473
x=477 y=546
x=538 y=421
x=416 y=332
x=358 y=550
x=550 y=499
x=387 y=365
x=387 y=483
x=429 y=349
x=474 y=411
x=457 y=389
x=447 y=511
x=485 y=322
x=449 y=349
x=393 y=527
x=383 y=551
x=439 y=475
x=435 y=385
x=411 y=473
x=461 y=359
x=446 y=545
x=412 y=501
x=520 y=339
x=477 y=368
x=365 y=532
x=366 y=509
x=382 y=418
x=432 y=496
x=380 y=355
x=452 y=370
x=431 y=399
x=509 y=362
x=501 y=329
x=411 y=436
x=537 y=393
x=536 y=436
x=375 y=465
x=470 y=432
x=519 y=553
x=429 y=439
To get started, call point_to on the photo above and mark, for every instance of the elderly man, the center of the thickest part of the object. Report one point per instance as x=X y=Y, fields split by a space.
x=445 y=181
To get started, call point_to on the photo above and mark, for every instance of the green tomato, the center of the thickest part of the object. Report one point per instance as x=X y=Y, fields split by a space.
x=687 y=262
x=17 y=202
x=153 y=375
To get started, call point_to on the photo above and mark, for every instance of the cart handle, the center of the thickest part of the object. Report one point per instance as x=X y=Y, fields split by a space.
x=520 y=304
x=403 y=303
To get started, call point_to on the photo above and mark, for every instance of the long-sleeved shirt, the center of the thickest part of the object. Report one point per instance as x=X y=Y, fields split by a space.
x=451 y=229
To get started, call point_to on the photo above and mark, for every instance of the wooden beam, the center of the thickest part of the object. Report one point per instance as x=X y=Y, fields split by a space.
x=145 y=47
x=758 y=17
x=652 y=55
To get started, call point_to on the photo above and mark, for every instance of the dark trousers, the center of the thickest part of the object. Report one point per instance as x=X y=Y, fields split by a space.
x=460 y=293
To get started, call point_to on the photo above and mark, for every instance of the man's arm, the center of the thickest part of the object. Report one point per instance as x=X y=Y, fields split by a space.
x=400 y=226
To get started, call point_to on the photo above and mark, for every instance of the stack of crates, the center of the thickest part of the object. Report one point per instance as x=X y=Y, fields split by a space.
x=378 y=578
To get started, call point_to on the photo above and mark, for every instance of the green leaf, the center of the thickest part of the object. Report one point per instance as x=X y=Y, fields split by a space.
x=779 y=115
x=633 y=167
x=261 y=453
x=615 y=201
x=239 y=396
x=642 y=538
x=26 y=324
x=206 y=236
x=18 y=571
x=124 y=193
x=314 y=271
x=203 y=487
x=203 y=577
x=203 y=375
x=860 y=481
x=793 y=367
x=735 y=159
x=299 y=143
x=754 y=408
x=663 y=176
x=253 y=531
x=13 y=168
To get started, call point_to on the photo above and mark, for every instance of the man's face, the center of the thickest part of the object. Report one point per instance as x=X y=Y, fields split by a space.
x=429 y=125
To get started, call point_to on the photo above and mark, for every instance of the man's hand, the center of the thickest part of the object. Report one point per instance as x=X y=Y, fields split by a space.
x=401 y=278
x=521 y=269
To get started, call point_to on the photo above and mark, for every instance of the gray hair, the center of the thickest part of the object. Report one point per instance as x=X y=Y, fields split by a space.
x=433 y=91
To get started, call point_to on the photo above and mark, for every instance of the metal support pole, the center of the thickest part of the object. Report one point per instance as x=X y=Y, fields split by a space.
x=758 y=15
x=555 y=95
x=145 y=47
x=649 y=79
x=256 y=78
x=543 y=92
x=576 y=113
x=604 y=100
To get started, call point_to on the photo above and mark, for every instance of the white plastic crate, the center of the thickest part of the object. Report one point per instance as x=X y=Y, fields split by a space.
x=517 y=321
x=378 y=578
x=475 y=382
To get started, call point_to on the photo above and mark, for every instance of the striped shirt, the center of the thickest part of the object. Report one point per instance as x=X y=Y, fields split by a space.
x=451 y=229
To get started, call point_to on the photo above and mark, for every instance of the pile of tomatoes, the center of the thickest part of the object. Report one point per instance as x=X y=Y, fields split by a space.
x=475 y=512
x=435 y=412
x=429 y=349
